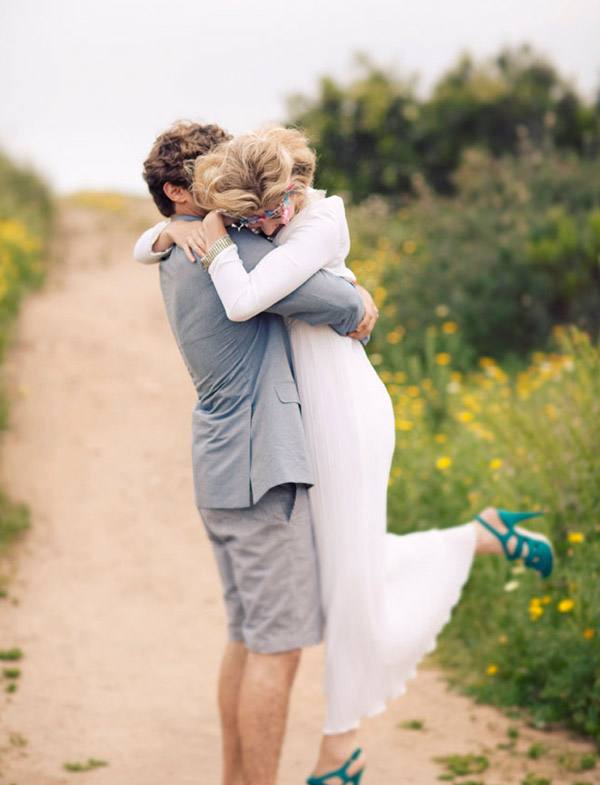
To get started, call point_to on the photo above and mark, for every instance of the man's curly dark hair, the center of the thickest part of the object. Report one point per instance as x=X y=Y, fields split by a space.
x=184 y=141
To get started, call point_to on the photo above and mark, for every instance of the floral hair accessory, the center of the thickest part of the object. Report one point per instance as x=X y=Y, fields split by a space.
x=284 y=210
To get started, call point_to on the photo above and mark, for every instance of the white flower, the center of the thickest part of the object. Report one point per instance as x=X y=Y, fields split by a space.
x=511 y=585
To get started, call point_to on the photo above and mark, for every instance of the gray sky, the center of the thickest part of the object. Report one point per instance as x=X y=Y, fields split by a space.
x=86 y=86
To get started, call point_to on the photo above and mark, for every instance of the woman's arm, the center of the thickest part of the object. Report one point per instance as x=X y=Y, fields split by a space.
x=143 y=251
x=156 y=243
x=309 y=247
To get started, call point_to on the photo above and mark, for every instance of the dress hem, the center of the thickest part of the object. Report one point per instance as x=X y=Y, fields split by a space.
x=431 y=646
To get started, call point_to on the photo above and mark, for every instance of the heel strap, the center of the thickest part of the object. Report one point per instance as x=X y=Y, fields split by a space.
x=504 y=537
x=341 y=773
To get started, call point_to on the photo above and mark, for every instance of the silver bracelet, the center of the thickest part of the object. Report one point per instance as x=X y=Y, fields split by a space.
x=215 y=249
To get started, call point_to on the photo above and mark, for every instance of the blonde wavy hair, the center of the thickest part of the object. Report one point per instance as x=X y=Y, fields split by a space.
x=253 y=171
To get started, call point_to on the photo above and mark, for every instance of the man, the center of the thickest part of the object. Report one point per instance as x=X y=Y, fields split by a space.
x=250 y=463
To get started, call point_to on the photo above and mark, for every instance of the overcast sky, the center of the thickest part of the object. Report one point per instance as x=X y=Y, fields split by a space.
x=87 y=85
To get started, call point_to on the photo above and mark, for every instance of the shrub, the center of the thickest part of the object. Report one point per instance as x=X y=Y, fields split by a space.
x=512 y=254
x=26 y=215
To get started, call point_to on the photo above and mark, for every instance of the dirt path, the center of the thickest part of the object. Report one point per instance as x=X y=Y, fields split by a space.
x=115 y=599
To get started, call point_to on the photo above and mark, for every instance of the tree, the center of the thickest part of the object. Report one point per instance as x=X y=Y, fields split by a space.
x=374 y=134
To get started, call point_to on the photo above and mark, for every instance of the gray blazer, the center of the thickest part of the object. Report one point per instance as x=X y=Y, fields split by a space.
x=247 y=433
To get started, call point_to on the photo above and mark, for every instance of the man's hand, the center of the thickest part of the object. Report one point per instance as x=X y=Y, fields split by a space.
x=367 y=325
x=188 y=235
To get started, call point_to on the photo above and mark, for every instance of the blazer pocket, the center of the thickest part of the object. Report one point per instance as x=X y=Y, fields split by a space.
x=287 y=392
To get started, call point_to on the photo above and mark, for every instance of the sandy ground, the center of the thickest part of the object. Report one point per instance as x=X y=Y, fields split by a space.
x=114 y=596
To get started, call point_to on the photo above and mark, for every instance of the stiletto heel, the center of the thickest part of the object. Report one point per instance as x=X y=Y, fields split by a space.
x=540 y=555
x=340 y=776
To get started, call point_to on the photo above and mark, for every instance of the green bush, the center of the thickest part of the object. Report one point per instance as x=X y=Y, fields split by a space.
x=513 y=253
x=26 y=215
x=374 y=134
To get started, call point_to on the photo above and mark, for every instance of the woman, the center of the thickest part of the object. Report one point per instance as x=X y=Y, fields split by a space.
x=385 y=597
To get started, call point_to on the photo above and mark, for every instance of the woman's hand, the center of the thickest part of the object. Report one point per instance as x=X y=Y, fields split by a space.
x=214 y=228
x=189 y=236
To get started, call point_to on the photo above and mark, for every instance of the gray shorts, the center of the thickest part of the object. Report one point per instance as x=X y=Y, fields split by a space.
x=268 y=563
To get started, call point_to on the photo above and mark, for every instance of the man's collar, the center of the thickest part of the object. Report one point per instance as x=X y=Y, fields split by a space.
x=186 y=217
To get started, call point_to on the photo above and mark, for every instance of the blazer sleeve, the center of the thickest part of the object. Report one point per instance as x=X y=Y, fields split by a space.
x=142 y=251
x=324 y=299
x=314 y=243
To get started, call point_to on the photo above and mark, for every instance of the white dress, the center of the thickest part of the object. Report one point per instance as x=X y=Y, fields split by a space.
x=385 y=597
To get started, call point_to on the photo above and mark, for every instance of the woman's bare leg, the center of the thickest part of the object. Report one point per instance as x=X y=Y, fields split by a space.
x=335 y=751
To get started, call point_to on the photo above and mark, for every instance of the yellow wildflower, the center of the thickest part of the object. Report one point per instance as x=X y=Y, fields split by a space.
x=443 y=358
x=413 y=391
x=575 y=537
x=486 y=362
x=546 y=599
x=379 y=294
x=416 y=406
x=503 y=639
x=395 y=336
x=492 y=669
x=465 y=416
x=471 y=402
x=449 y=328
x=473 y=497
x=409 y=246
x=535 y=608
x=496 y=463
x=564 y=606
x=440 y=438
x=443 y=462
x=404 y=425
x=589 y=633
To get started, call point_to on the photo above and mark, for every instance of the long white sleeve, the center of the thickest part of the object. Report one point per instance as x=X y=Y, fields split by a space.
x=143 y=252
x=309 y=246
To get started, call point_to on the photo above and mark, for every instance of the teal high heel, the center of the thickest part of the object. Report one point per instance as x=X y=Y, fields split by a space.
x=340 y=776
x=540 y=555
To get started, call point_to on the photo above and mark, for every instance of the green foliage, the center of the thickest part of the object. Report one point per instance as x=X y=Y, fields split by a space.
x=536 y=751
x=412 y=725
x=534 y=779
x=25 y=221
x=514 y=252
x=364 y=134
x=92 y=763
x=574 y=762
x=14 y=520
x=26 y=215
x=375 y=135
x=11 y=654
x=458 y=765
x=25 y=197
